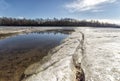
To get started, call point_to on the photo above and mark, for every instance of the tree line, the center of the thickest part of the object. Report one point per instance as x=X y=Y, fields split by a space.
x=4 y=21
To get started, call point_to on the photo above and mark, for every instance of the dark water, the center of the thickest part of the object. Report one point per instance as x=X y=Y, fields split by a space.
x=19 y=51
x=31 y=41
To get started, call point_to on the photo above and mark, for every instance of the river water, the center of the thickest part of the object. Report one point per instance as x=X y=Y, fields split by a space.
x=19 y=51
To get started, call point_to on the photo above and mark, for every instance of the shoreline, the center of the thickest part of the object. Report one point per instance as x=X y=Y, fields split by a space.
x=13 y=66
x=64 y=59
x=85 y=55
x=88 y=54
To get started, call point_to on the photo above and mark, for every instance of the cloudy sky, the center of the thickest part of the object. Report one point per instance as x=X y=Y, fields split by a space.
x=107 y=10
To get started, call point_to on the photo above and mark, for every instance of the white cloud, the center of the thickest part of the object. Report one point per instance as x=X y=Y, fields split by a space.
x=3 y=5
x=86 y=5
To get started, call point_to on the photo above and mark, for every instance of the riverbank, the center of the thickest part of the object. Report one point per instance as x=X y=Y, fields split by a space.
x=88 y=54
x=63 y=63
x=12 y=30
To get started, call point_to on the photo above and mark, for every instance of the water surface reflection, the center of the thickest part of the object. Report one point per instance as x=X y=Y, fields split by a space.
x=18 y=52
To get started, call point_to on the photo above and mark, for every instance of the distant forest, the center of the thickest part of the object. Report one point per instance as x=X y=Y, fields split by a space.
x=4 y=21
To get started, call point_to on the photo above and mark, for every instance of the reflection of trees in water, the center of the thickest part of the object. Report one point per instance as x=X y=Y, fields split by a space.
x=25 y=50
x=54 y=31
x=15 y=59
x=61 y=31
x=2 y=36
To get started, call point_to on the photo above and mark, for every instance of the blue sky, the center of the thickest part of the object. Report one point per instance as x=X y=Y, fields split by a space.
x=79 y=9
